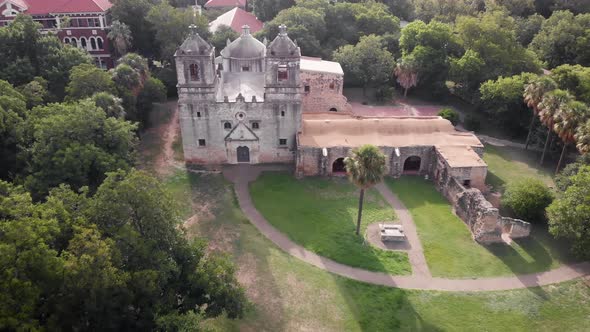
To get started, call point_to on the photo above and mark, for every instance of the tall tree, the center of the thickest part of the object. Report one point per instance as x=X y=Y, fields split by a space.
x=365 y=167
x=582 y=137
x=120 y=36
x=12 y=114
x=367 y=62
x=567 y=121
x=134 y=13
x=569 y=214
x=86 y=80
x=533 y=95
x=406 y=72
x=551 y=104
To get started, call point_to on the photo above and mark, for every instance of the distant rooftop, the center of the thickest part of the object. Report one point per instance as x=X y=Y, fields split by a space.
x=41 y=7
x=319 y=65
x=235 y=19
x=225 y=3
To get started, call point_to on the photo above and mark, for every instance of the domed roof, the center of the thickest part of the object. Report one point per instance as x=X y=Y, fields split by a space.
x=245 y=47
x=194 y=44
x=283 y=46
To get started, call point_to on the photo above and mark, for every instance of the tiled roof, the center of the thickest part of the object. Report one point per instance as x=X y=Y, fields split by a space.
x=39 y=7
x=236 y=19
x=225 y=3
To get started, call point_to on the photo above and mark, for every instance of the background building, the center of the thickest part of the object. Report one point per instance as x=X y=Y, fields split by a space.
x=81 y=23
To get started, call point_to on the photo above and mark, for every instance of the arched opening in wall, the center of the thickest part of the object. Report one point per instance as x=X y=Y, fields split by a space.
x=338 y=166
x=227 y=125
x=194 y=72
x=83 y=43
x=74 y=42
x=333 y=109
x=243 y=153
x=93 y=43
x=67 y=40
x=99 y=43
x=412 y=165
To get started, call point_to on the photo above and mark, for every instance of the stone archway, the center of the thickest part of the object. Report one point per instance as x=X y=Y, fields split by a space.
x=412 y=164
x=338 y=166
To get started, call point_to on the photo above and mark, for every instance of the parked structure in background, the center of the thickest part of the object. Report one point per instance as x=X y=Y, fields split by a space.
x=81 y=23
x=262 y=102
x=236 y=19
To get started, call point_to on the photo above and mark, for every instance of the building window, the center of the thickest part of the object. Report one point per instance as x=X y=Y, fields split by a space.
x=282 y=113
x=282 y=141
x=74 y=42
x=92 y=43
x=83 y=43
x=194 y=72
x=10 y=12
x=67 y=40
x=198 y=114
x=245 y=68
x=283 y=74
x=332 y=85
x=202 y=142
x=467 y=183
x=227 y=125
x=306 y=88
x=255 y=125
x=74 y=23
x=99 y=43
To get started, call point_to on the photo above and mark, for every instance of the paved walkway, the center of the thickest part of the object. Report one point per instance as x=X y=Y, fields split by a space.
x=242 y=175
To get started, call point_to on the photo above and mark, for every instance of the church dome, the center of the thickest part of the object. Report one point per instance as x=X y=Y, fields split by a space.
x=245 y=47
x=194 y=44
x=283 y=46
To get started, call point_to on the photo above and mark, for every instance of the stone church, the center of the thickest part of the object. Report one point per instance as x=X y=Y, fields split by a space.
x=263 y=102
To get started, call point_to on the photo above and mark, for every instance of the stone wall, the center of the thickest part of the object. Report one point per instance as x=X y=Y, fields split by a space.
x=324 y=92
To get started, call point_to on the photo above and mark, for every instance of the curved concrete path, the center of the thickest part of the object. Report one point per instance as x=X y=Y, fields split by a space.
x=242 y=175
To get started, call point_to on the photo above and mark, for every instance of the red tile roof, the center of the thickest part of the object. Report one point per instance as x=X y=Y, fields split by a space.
x=225 y=3
x=236 y=19
x=39 y=7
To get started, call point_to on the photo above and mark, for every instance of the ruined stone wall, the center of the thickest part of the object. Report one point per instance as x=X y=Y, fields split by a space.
x=325 y=92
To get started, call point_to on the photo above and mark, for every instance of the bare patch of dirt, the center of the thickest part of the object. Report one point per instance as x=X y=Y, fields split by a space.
x=168 y=133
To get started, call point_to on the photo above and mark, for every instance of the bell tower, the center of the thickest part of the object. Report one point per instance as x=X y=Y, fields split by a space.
x=195 y=67
x=282 y=68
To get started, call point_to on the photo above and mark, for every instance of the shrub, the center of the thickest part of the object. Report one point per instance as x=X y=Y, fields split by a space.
x=471 y=123
x=449 y=114
x=527 y=199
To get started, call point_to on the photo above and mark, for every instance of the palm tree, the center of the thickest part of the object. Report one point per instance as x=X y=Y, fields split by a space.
x=533 y=95
x=582 y=137
x=365 y=167
x=567 y=120
x=407 y=75
x=550 y=105
x=120 y=35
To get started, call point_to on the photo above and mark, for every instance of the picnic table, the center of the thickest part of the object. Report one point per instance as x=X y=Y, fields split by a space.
x=392 y=232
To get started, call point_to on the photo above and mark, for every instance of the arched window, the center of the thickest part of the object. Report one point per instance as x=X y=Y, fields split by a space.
x=74 y=42
x=67 y=40
x=333 y=109
x=282 y=73
x=83 y=43
x=100 y=43
x=93 y=43
x=194 y=72
x=227 y=125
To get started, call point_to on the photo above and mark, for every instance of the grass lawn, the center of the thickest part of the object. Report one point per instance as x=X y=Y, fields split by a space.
x=506 y=164
x=449 y=248
x=289 y=295
x=320 y=214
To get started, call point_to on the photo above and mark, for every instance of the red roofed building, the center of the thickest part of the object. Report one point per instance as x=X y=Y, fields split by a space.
x=236 y=19
x=87 y=26
x=225 y=4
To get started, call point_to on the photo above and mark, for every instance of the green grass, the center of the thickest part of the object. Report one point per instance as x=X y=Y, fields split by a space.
x=289 y=295
x=507 y=165
x=451 y=252
x=320 y=214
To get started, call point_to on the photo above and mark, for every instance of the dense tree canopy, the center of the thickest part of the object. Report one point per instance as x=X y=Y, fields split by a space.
x=133 y=13
x=575 y=79
x=266 y=10
x=76 y=144
x=116 y=261
x=12 y=113
x=563 y=38
x=86 y=80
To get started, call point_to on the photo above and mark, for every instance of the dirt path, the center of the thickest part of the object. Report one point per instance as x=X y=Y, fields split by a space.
x=168 y=132
x=242 y=175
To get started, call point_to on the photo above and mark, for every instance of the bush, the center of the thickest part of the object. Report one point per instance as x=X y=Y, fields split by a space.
x=527 y=199
x=449 y=114
x=472 y=123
